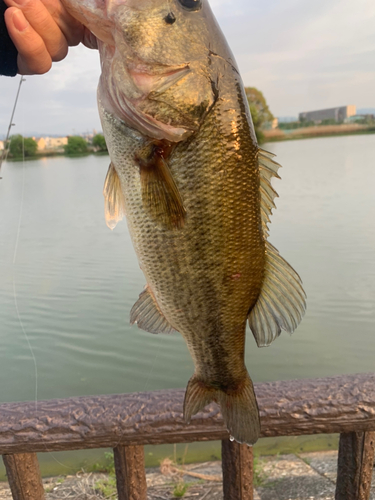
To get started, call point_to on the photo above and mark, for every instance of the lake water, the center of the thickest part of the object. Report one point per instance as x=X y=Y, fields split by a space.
x=68 y=282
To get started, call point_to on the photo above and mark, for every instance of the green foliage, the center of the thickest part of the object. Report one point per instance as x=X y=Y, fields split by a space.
x=20 y=146
x=108 y=465
x=99 y=142
x=366 y=120
x=260 y=111
x=107 y=487
x=76 y=145
x=294 y=125
x=329 y=121
x=259 y=475
x=179 y=490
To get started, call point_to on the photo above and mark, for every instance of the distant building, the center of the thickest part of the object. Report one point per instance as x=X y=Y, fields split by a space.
x=51 y=143
x=287 y=119
x=87 y=136
x=339 y=114
x=271 y=125
x=1 y=145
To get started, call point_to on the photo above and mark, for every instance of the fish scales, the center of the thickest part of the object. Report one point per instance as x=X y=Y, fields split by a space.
x=206 y=276
x=196 y=189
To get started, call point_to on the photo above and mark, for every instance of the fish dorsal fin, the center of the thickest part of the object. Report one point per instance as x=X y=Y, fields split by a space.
x=267 y=168
x=148 y=316
x=114 y=203
x=282 y=300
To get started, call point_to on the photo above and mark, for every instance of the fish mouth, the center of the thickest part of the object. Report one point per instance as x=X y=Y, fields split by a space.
x=151 y=79
x=148 y=80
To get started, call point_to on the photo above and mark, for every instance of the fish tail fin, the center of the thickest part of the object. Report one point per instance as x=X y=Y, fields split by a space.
x=238 y=407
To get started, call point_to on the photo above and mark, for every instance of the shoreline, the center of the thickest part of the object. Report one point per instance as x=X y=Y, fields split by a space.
x=274 y=135
x=319 y=131
x=55 y=154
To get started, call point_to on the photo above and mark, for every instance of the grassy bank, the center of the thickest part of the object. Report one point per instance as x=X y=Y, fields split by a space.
x=317 y=131
x=57 y=463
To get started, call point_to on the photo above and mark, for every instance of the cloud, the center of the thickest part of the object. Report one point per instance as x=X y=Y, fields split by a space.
x=61 y=102
x=303 y=55
x=306 y=55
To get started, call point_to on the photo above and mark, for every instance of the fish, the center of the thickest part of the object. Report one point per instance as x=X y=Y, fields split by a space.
x=195 y=187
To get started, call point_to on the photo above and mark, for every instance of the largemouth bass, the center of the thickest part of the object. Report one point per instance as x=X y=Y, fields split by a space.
x=196 y=189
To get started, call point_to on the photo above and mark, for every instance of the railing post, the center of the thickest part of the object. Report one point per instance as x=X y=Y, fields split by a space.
x=130 y=472
x=355 y=466
x=24 y=476
x=237 y=464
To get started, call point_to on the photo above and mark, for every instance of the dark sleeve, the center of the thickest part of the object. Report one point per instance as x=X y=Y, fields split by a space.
x=8 y=52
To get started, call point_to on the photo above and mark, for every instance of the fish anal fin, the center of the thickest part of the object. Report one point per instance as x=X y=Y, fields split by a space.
x=160 y=194
x=281 y=303
x=198 y=395
x=114 y=203
x=238 y=407
x=148 y=316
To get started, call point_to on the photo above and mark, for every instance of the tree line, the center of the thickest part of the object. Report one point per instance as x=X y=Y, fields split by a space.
x=26 y=147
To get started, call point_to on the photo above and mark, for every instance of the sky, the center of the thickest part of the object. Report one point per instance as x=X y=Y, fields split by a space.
x=302 y=55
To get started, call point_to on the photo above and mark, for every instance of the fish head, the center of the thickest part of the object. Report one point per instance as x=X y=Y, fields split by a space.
x=156 y=56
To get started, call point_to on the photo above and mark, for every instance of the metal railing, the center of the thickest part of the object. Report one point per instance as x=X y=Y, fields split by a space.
x=127 y=422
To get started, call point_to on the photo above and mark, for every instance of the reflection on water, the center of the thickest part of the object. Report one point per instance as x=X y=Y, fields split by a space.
x=74 y=281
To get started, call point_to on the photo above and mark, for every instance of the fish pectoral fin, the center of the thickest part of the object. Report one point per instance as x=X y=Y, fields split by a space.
x=148 y=316
x=281 y=303
x=114 y=203
x=160 y=194
x=238 y=407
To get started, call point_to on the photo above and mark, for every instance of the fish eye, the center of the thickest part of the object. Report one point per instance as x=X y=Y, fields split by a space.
x=191 y=4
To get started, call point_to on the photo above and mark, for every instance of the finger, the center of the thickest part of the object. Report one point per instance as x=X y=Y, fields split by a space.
x=43 y=23
x=70 y=27
x=33 y=56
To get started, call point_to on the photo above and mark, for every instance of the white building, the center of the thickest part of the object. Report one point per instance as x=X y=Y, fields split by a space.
x=51 y=143
x=339 y=114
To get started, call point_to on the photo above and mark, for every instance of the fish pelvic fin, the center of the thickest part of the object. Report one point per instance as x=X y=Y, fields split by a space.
x=282 y=300
x=238 y=407
x=160 y=194
x=147 y=314
x=114 y=203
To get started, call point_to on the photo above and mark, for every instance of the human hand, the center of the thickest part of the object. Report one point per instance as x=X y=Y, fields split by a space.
x=42 y=31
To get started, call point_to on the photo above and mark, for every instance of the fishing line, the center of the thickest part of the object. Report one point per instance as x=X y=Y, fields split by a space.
x=11 y=124
x=21 y=206
x=14 y=281
x=28 y=343
x=15 y=288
